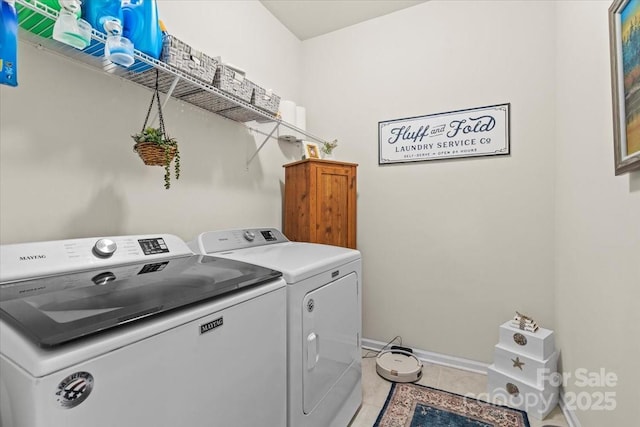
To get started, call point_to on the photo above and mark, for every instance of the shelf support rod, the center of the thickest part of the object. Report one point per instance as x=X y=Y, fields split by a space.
x=262 y=145
x=268 y=135
x=174 y=83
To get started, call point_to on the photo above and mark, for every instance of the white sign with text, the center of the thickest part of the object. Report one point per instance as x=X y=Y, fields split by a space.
x=482 y=131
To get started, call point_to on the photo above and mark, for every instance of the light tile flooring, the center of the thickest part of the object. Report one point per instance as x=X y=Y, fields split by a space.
x=375 y=390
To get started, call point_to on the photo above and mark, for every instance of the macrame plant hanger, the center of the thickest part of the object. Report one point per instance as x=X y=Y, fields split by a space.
x=163 y=153
x=155 y=97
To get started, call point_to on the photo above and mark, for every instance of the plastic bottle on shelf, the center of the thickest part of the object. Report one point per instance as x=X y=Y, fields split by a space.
x=68 y=28
x=8 y=44
x=117 y=49
x=106 y=16
x=164 y=52
x=141 y=26
x=96 y=12
x=163 y=30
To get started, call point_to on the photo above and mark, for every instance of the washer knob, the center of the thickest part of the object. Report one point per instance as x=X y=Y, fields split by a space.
x=249 y=235
x=104 y=248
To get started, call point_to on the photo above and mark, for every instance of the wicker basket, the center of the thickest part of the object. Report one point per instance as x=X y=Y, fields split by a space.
x=234 y=83
x=185 y=58
x=264 y=101
x=153 y=154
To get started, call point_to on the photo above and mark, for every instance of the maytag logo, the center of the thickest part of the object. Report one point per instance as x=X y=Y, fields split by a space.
x=210 y=326
x=31 y=257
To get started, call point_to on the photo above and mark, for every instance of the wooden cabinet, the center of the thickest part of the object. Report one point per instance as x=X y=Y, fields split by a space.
x=320 y=202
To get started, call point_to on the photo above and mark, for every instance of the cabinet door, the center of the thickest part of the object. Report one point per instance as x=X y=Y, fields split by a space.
x=335 y=207
x=297 y=205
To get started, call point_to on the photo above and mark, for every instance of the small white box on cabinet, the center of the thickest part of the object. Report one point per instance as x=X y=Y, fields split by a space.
x=524 y=368
x=536 y=401
x=537 y=345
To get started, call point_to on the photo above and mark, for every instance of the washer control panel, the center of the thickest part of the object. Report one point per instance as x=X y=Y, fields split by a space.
x=30 y=260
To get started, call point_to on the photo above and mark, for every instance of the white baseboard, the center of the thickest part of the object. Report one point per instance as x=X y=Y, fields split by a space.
x=435 y=358
x=569 y=414
x=465 y=365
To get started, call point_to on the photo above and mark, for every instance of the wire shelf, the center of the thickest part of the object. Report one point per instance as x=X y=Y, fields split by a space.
x=40 y=18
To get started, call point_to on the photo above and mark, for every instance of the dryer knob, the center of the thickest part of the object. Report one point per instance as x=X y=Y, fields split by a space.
x=249 y=236
x=104 y=248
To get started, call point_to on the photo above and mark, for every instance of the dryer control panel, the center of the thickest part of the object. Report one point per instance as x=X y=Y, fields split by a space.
x=228 y=240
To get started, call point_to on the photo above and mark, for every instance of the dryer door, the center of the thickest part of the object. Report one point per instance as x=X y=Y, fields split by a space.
x=330 y=328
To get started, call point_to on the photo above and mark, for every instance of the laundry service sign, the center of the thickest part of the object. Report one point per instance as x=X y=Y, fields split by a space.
x=482 y=131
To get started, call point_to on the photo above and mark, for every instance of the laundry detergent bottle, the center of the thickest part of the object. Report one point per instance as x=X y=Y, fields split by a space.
x=8 y=44
x=106 y=17
x=70 y=29
x=141 y=26
x=96 y=12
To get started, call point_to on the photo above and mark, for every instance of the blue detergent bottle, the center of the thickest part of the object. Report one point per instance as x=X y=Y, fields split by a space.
x=141 y=26
x=8 y=44
x=106 y=16
x=96 y=12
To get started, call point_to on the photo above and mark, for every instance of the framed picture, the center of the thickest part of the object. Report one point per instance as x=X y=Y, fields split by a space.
x=311 y=150
x=624 y=40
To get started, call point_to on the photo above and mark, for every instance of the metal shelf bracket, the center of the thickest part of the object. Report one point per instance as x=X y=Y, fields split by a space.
x=269 y=135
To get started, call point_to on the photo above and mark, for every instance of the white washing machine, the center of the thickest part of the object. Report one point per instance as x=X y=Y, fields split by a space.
x=323 y=319
x=137 y=331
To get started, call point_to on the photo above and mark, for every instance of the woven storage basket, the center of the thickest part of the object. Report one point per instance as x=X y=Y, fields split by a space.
x=153 y=154
x=234 y=83
x=263 y=101
x=185 y=58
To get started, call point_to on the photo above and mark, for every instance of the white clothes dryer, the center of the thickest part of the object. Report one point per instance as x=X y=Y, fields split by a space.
x=324 y=288
x=135 y=331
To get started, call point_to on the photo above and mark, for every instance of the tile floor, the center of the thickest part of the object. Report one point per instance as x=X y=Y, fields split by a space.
x=375 y=390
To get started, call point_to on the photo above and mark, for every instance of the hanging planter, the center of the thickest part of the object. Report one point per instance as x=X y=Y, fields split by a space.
x=154 y=146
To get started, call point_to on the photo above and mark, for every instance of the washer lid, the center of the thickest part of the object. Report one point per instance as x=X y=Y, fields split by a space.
x=297 y=261
x=56 y=309
x=270 y=248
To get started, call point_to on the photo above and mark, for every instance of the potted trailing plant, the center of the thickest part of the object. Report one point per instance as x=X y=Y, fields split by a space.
x=154 y=146
x=328 y=147
x=157 y=149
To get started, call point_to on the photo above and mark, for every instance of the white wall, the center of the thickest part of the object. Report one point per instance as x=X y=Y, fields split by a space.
x=597 y=222
x=450 y=248
x=67 y=168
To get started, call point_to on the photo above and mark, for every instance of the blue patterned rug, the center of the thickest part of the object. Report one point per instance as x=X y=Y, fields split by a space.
x=412 y=405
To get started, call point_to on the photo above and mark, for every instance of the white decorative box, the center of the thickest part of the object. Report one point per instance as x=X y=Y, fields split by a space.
x=527 y=369
x=538 y=345
x=536 y=401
